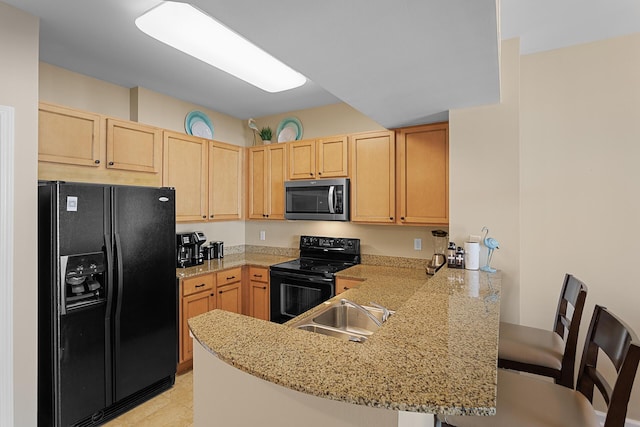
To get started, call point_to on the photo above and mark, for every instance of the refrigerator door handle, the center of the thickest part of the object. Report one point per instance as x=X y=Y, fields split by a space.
x=118 y=280
x=62 y=295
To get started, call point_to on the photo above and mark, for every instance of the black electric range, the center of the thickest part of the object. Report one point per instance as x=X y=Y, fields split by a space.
x=301 y=284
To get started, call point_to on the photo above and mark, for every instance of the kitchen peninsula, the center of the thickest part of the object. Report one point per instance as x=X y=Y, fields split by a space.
x=436 y=355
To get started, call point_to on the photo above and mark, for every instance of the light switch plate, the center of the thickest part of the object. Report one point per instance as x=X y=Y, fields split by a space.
x=262 y=235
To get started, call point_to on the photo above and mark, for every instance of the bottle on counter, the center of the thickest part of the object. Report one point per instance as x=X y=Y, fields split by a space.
x=459 y=257
x=451 y=255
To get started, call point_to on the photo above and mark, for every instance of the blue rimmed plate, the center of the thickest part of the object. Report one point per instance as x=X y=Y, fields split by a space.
x=289 y=129
x=197 y=123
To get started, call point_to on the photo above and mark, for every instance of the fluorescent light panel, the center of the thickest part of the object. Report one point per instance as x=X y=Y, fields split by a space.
x=188 y=29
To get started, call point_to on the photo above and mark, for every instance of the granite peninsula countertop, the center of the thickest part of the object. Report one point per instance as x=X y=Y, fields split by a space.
x=436 y=354
x=231 y=261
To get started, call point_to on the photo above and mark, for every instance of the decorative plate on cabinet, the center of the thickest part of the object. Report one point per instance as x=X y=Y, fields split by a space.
x=197 y=123
x=289 y=129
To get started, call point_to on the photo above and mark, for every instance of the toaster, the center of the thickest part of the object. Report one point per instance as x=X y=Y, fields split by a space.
x=214 y=250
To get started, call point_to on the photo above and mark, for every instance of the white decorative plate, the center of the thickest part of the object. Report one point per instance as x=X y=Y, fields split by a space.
x=289 y=129
x=197 y=123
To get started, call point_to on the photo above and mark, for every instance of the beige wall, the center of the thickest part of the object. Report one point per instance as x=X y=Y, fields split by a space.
x=553 y=171
x=580 y=180
x=484 y=167
x=64 y=87
x=334 y=119
x=19 y=89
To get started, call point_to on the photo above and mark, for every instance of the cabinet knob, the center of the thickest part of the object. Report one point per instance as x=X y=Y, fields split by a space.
x=319 y=173
x=264 y=287
x=391 y=218
x=310 y=173
x=219 y=292
x=110 y=163
x=210 y=216
x=97 y=162
x=204 y=216
x=402 y=218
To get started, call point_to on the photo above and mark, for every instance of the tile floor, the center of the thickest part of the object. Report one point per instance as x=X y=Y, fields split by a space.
x=173 y=408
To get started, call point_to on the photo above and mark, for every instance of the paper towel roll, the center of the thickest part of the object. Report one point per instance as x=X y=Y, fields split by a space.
x=471 y=255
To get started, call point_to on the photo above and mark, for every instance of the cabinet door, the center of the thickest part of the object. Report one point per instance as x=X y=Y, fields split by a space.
x=192 y=305
x=259 y=300
x=332 y=157
x=423 y=174
x=132 y=146
x=68 y=136
x=276 y=176
x=229 y=297
x=302 y=159
x=343 y=284
x=259 y=292
x=267 y=173
x=257 y=179
x=225 y=181
x=372 y=157
x=185 y=169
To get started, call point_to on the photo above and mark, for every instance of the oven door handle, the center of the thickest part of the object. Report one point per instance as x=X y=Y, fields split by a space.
x=302 y=277
x=332 y=202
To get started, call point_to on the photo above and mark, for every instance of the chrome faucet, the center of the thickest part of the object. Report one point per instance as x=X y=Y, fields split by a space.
x=385 y=310
x=360 y=308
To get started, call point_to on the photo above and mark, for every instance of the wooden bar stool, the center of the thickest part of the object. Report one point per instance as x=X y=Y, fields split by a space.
x=543 y=352
x=532 y=402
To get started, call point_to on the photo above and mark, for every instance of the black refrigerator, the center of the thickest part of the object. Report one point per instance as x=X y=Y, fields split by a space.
x=107 y=300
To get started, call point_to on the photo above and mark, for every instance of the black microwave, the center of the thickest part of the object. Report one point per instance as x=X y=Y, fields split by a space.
x=317 y=199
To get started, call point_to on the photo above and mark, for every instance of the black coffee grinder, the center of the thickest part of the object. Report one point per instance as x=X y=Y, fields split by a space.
x=188 y=248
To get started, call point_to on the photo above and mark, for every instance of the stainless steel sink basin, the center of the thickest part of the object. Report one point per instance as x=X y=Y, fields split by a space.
x=346 y=320
x=319 y=329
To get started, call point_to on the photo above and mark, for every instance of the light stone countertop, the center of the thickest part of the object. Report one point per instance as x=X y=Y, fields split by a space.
x=231 y=261
x=436 y=354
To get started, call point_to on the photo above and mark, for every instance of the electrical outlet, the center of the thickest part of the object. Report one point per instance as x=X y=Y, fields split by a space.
x=417 y=244
x=263 y=235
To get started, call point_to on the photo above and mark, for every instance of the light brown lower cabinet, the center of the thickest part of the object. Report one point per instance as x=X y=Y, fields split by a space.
x=198 y=296
x=343 y=284
x=259 y=293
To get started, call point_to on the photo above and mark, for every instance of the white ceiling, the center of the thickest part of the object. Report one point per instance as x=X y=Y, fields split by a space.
x=399 y=62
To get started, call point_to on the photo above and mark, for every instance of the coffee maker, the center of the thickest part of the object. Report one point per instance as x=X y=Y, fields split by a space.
x=188 y=248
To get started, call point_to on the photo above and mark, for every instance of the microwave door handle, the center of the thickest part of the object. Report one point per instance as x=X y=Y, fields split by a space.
x=332 y=202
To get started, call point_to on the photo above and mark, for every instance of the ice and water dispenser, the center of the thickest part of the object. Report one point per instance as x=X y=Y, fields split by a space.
x=83 y=278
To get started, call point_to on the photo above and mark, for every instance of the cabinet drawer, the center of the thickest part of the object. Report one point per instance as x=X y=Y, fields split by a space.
x=197 y=284
x=228 y=276
x=259 y=274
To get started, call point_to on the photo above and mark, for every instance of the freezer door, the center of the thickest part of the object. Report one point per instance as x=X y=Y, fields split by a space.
x=73 y=345
x=146 y=309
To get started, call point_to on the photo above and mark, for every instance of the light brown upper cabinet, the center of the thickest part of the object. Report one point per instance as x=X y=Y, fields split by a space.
x=267 y=173
x=225 y=181
x=372 y=158
x=207 y=176
x=132 y=146
x=423 y=174
x=322 y=158
x=69 y=136
x=185 y=167
x=75 y=145
x=332 y=157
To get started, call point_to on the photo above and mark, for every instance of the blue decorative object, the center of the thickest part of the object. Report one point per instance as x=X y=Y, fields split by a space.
x=491 y=244
x=197 y=123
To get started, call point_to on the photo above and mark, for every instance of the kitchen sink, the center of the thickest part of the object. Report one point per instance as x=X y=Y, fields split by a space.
x=346 y=320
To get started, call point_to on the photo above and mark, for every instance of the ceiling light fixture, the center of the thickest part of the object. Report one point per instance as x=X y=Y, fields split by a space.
x=188 y=29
